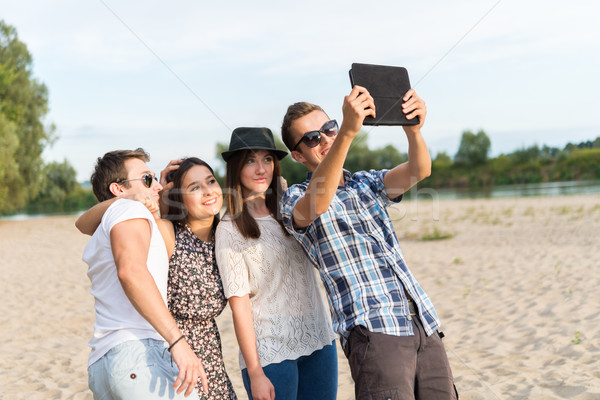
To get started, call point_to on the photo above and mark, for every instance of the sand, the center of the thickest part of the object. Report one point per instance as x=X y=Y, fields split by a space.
x=516 y=285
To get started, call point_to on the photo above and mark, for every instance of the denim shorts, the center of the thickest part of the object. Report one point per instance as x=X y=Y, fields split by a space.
x=135 y=370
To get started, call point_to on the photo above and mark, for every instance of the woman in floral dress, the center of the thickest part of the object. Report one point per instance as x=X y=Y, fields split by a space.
x=195 y=291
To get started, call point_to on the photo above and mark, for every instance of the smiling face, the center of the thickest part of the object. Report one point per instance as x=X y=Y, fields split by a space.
x=311 y=157
x=202 y=194
x=257 y=172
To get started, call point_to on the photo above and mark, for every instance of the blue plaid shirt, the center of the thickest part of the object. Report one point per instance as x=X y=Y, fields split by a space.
x=356 y=251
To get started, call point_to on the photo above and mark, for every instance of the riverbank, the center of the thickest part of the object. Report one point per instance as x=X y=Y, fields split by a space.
x=515 y=283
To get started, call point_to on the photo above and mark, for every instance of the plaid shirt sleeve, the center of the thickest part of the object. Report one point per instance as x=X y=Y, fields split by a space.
x=374 y=179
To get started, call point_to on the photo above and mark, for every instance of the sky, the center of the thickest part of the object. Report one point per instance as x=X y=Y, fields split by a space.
x=177 y=77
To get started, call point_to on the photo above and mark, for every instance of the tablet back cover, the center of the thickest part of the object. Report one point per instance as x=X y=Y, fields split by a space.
x=387 y=85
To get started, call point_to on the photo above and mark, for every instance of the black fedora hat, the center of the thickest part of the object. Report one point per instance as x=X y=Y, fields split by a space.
x=252 y=139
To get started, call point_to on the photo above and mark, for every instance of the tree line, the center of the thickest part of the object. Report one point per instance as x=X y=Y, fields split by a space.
x=29 y=185
x=471 y=166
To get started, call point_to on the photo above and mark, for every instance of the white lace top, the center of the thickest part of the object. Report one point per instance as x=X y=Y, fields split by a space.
x=289 y=314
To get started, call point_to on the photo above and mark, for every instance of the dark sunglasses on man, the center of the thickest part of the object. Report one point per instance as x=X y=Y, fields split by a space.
x=148 y=178
x=313 y=138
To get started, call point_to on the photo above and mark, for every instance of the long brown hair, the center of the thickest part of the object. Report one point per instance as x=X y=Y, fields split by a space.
x=237 y=208
x=177 y=210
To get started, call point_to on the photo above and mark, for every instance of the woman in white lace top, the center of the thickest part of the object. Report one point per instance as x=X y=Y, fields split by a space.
x=281 y=322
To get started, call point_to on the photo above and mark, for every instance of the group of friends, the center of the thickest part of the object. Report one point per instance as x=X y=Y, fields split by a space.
x=163 y=265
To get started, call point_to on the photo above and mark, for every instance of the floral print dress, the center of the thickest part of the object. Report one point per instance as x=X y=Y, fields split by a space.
x=195 y=298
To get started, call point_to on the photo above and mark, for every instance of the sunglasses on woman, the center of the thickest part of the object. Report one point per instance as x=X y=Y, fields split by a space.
x=313 y=138
x=148 y=179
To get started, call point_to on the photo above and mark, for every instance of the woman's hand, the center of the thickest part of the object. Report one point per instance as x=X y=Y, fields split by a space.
x=261 y=386
x=171 y=166
x=164 y=193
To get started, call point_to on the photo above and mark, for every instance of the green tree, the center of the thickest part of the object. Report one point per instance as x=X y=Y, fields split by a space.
x=443 y=159
x=60 y=179
x=60 y=191
x=527 y=155
x=579 y=164
x=9 y=143
x=293 y=171
x=361 y=158
x=388 y=157
x=473 y=149
x=23 y=105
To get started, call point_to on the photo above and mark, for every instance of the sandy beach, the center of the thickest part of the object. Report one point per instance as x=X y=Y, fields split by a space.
x=515 y=282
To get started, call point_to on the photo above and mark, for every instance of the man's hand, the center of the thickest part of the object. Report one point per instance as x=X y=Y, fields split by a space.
x=149 y=202
x=190 y=369
x=357 y=105
x=413 y=107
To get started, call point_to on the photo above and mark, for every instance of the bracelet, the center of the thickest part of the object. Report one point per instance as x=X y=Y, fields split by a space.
x=174 y=343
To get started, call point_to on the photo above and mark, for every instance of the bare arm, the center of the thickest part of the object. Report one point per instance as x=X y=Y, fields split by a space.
x=261 y=386
x=327 y=176
x=418 y=167
x=130 y=241
x=88 y=222
x=167 y=232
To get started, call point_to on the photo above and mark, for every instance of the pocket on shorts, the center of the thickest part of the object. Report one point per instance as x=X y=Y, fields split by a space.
x=131 y=366
x=358 y=343
x=130 y=358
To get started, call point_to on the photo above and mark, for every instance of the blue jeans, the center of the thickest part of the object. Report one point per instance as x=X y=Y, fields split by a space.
x=307 y=378
x=135 y=370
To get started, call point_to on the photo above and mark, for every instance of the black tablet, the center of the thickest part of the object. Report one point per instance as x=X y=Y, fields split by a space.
x=387 y=85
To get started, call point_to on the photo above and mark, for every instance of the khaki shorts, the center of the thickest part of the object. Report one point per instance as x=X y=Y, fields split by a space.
x=387 y=367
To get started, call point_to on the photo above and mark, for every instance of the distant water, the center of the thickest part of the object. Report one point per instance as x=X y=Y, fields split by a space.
x=530 y=189
x=23 y=217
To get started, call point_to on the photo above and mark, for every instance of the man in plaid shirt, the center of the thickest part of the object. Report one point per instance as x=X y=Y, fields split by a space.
x=387 y=323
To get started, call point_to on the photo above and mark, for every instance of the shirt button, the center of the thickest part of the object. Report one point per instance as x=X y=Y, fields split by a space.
x=132 y=376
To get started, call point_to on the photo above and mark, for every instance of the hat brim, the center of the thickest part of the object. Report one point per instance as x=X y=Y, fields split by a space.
x=278 y=153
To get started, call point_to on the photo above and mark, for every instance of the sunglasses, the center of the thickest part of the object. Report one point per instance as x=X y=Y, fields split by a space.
x=148 y=180
x=313 y=138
